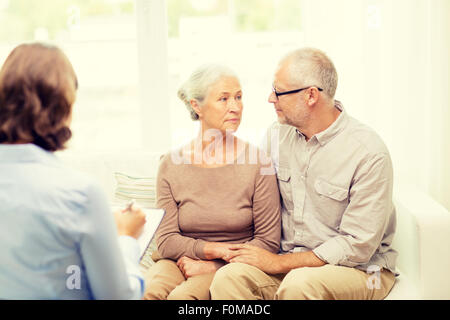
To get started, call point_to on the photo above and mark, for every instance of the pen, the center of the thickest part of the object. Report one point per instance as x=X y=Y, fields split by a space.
x=129 y=205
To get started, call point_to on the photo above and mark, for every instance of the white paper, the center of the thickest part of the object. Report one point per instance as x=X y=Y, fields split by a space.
x=153 y=218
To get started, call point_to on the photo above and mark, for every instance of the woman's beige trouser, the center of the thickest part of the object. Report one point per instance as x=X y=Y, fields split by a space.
x=164 y=281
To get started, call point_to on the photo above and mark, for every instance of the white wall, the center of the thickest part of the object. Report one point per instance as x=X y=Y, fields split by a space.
x=440 y=97
x=392 y=59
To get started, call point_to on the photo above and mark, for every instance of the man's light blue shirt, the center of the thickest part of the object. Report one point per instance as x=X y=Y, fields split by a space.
x=58 y=239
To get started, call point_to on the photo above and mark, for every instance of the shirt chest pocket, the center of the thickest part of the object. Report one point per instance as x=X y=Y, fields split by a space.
x=284 y=183
x=326 y=189
x=332 y=201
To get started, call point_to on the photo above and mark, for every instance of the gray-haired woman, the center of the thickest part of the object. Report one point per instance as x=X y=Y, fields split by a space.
x=213 y=193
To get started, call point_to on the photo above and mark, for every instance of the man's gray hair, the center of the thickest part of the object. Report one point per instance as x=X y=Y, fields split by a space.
x=196 y=87
x=312 y=67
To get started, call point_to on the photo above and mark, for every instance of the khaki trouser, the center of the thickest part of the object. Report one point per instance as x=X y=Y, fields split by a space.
x=244 y=282
x=164 y=281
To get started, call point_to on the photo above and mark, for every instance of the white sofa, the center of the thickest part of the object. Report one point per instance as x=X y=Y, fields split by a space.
x=422 y=240
x=423 y=229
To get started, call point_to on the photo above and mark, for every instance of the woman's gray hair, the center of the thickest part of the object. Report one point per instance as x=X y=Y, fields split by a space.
x=196 y=87
x=312 y=67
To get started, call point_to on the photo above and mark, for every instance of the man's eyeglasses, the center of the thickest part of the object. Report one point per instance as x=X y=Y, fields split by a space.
x=292 y=91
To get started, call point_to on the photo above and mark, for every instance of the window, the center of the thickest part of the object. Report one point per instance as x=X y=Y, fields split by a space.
x=124 y=51
x=99 y=37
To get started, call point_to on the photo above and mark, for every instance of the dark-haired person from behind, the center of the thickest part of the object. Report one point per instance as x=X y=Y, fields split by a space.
x=58 y=237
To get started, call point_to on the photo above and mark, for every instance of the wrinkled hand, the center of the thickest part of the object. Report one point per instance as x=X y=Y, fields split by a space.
x=190 y=267
x=255 y=256
x=216 y=250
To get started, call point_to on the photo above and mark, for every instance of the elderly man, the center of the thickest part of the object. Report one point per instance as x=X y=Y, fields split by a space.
x=335 y=178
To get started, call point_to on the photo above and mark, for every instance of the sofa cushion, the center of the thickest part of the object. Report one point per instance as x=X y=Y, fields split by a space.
x=140 y=189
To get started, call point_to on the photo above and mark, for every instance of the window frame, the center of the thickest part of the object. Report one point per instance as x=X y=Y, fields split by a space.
x=153 y=70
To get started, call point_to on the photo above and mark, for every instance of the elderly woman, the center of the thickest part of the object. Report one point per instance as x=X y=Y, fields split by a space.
x=214 y=190
x=58 y=239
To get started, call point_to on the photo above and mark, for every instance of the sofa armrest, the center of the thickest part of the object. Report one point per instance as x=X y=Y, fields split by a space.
x=422 y=239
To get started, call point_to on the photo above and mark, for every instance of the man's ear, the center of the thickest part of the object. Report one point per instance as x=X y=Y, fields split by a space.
x=196 y=107
x=312 y=96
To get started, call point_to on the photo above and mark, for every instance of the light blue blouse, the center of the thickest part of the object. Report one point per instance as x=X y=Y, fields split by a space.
x=58 y=238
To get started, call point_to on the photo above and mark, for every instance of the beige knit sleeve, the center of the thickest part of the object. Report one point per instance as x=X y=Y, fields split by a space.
x=171 y=243
x=266 y=211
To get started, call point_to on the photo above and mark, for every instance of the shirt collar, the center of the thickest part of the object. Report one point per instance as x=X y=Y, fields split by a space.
x=328 y=134
x=25 y=153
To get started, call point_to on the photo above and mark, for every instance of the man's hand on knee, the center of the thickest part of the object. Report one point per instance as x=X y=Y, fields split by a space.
x=272 y=263
x=262 y=259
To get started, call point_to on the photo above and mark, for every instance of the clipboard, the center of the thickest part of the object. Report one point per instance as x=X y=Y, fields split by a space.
x=153 y=220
